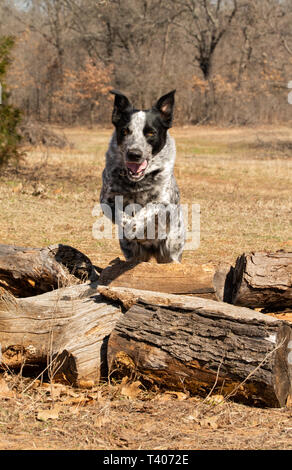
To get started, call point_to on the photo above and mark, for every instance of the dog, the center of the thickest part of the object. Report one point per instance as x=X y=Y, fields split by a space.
x=138 y=184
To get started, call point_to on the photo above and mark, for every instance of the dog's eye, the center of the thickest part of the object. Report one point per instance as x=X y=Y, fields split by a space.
x=125 y=131
x=149 y=133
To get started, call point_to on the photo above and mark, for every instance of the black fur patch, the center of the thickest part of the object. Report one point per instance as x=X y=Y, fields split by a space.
x=158 y=119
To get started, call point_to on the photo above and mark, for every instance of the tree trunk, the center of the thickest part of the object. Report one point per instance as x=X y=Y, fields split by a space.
x=65 y=330
x=194 y=344
x=263 y=280
x=205 y=280
x=30 y=271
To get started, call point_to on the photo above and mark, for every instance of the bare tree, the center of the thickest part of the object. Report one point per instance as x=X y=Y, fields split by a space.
x=228 y=59
x=282 y=24
x=135 y=35
x=205 y=22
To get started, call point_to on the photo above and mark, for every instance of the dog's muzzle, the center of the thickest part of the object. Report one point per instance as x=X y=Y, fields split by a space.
x=135 y=164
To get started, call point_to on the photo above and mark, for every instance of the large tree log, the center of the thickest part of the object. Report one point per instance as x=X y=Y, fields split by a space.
x=66 y=328
x=196 y=344
x=263 y=280
x=30 y=271
x=175 y=341
x=204 y=280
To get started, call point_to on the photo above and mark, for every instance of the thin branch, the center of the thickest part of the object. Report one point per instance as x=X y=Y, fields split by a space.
x=285 y=44
x=230 y=394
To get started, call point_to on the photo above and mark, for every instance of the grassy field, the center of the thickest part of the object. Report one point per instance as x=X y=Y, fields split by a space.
x=242 y=179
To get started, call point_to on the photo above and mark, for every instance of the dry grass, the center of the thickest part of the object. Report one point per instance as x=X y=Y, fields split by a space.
x=243 y=188
x=242 y=179
x=54 y=416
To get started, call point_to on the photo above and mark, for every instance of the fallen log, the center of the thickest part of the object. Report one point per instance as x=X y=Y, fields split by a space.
x=65 y=331
x=203 y=280
x=35 y=133
x=200 y=345
x=31 y=271
x=175 y=341
x=263 y=280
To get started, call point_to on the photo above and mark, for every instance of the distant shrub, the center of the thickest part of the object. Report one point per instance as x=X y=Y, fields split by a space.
x=10 y=117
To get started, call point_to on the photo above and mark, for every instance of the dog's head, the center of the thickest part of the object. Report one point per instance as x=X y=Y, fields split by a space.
x=141 y=135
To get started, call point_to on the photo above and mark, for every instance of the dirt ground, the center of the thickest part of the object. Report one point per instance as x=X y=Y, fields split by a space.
x=242 y=180
x=110 y=417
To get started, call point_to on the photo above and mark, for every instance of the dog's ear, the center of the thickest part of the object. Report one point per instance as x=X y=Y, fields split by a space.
x=165 y=106
x=121 y=105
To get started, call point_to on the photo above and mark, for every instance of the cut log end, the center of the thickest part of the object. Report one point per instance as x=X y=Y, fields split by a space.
x=263 y=280
x=64 y=331
x=31 y=271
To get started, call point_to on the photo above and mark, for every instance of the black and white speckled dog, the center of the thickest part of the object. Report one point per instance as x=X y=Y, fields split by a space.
x=139 y=174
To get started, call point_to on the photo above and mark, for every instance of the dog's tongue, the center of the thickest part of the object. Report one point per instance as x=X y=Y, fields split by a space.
x=137 y=167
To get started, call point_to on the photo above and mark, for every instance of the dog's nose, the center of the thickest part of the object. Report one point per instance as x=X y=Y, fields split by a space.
x=134 y=155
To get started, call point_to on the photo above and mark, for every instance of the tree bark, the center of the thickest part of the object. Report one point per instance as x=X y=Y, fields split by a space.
x=199 y=345
x=205 y=280
x=31 y=271
x=263 y=280
x=65 y=330
x=175 y=341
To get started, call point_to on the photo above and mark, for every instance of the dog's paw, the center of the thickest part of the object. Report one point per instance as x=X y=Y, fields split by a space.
x=130 y=229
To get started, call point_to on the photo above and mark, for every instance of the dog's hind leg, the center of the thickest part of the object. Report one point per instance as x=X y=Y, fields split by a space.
x=170 y=251
x=133 y=250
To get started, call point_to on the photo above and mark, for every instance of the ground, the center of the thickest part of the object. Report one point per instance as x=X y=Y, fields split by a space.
x=242 y=179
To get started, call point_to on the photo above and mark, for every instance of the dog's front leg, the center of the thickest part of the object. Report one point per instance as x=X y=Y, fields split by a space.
x=141 y=224
x=134 y=230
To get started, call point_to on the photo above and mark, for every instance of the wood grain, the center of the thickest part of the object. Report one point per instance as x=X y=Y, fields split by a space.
x=194 y=344
x=263 y=280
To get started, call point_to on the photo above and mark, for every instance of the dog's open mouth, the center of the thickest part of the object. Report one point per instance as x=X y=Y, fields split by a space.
x=136 y=170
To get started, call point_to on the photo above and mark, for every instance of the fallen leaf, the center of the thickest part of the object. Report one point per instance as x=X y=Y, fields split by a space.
x=171 y=395
x=131 y=390
x=100 y=398
x=80 y=401
x=86 y=384
x=163 y=397
x=44 y=415
x=125 y=380
x=101 y=421
x=55 y=390
x=194 y=416
x=5 y=391
x=18 y=188
x=39 y=190
x=215 y=400
x=180 y=396
x=211 y=422
x=58 y=190
x=74 y=410
x=289 y=402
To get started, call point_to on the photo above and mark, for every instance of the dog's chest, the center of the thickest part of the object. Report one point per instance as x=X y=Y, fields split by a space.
x=142 y=198
x=158 y=194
